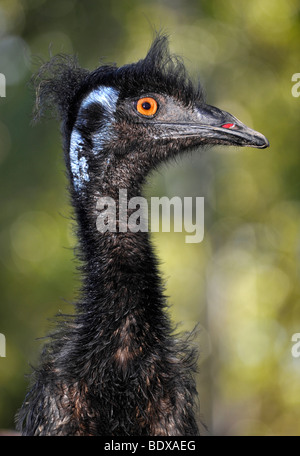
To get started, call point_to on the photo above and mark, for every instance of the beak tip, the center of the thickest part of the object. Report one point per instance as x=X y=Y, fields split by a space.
x=263 y=144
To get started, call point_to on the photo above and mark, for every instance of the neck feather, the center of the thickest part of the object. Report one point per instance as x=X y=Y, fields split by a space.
x=121 y=281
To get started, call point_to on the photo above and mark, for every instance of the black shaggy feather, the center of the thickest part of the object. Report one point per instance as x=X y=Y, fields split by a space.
x=115 y=368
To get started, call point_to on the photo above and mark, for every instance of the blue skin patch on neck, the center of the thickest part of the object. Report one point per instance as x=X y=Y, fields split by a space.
x=79 y=166
x=107 y=97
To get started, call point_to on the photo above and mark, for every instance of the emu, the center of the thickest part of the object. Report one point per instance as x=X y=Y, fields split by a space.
x=115 y=367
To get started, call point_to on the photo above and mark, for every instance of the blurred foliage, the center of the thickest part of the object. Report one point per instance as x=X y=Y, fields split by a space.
x=242 y=282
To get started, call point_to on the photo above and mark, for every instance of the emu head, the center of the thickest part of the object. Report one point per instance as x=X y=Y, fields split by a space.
x=119 y=123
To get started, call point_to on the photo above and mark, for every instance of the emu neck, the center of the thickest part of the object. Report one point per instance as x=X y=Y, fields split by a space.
x=120 y=272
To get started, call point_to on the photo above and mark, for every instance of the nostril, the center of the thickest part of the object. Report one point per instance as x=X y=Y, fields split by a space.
x=228 y=125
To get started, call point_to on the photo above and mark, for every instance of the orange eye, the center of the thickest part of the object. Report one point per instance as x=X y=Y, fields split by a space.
x=147 y=106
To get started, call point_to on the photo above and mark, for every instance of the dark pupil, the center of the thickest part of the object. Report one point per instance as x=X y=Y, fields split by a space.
x=146 y=105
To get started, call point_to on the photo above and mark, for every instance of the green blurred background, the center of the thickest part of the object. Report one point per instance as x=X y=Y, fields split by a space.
x=241 y=284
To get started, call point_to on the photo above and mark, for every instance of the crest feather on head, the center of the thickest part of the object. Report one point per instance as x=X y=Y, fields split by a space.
x=61 y=83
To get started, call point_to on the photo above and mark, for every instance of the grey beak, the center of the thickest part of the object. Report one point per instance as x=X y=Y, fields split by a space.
x=211 y=125
x=220 y=127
